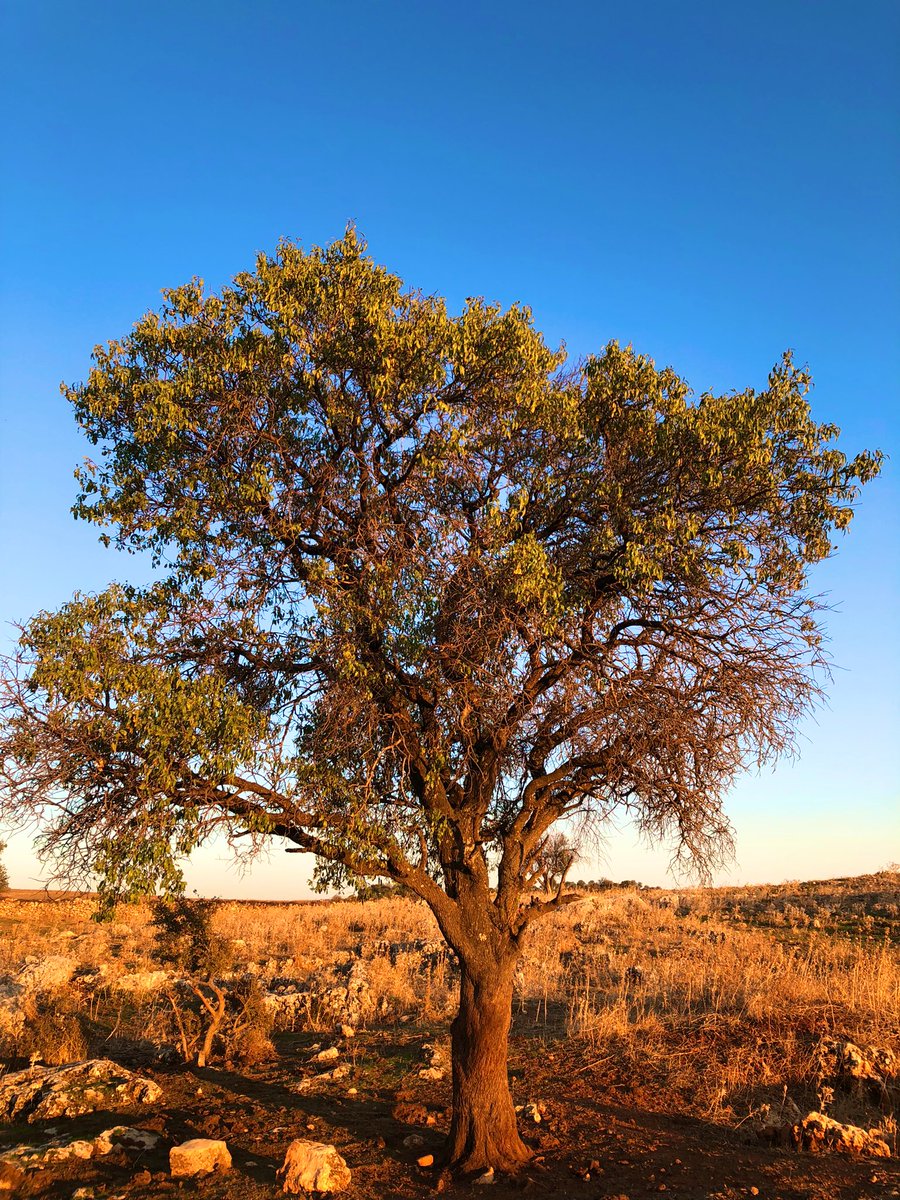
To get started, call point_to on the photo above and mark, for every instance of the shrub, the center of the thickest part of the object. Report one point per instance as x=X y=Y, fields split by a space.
x=183 y=936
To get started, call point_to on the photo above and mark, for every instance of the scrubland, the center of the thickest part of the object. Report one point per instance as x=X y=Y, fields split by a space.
x=704 y=1006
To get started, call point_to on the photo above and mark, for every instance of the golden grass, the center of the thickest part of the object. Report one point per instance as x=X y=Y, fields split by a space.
x=674 y=991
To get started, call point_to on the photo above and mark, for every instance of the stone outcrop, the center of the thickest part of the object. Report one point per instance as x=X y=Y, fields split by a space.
x=858 y=1069
x=199 y=1156
x=12 y=1011
x=141 y=981
x=96 y=1085
x=313 y=1167
x=818 y=1132
x=46 y=974
x=120 y=1137
x=437 y=1063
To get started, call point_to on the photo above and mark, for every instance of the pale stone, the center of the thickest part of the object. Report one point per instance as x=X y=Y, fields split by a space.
x=44 y=1093
x=313 y=1167
x=328 y=1055
x=198 y=1157
x=45 y=974
x=12 y=1010
x=820 y=1132
x=76 y=1149
x=60 y=1150
x=846 y=1063
x=141 y=981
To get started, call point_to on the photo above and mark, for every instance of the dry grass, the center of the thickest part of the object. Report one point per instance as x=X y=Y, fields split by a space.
x=705 y=996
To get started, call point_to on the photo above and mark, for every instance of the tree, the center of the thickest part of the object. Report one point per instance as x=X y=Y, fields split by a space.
x=4 y=875
x=553 y=861
x=424 y=590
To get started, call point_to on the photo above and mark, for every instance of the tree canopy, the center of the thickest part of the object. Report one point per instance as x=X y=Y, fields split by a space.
x=425 y=588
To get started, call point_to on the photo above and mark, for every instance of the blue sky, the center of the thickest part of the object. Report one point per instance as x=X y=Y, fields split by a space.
x=712 y=182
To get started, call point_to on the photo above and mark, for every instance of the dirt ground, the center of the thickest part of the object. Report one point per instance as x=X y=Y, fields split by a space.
x=597 y=1140
x=649 y=1030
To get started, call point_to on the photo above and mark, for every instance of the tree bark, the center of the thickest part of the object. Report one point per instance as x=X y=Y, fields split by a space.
x=483 y=1132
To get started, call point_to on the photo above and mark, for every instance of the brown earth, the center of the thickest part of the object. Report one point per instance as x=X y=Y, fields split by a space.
x=648 y=1057
x=596 y=1141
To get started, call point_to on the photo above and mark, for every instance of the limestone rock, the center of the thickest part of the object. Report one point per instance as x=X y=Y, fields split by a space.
x=434 y=1074
x=44 y=1093
x=45 y=974
x=199 y=1156
x=287 y=1008
x=313 y=1167
x=434 y=1056
x=141 y=981
x=818 y=1132
x=856 y=1068
x=63 y=1150
x=328 y=1055
x=12 y=1012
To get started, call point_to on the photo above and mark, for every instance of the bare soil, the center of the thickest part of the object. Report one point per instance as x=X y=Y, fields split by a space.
x=598 y=1140
x=643 y=1092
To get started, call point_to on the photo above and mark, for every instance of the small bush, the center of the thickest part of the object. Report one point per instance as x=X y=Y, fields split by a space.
x=54 y=1032
x=183 y=937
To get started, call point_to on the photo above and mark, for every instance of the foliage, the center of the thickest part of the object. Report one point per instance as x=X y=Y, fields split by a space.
x=425 y=590
x=183 y=937
x=4 y=874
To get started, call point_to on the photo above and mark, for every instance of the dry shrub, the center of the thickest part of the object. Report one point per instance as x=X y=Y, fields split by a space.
x=54 y=1031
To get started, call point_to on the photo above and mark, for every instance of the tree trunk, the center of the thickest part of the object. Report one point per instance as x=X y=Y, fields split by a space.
x=483 y=1132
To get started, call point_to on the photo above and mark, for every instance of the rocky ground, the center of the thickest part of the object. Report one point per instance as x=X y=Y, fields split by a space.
x=591 y=1141
x=354 y=1064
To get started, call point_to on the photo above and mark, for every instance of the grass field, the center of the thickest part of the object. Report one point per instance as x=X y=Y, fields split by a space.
x=642 y=1017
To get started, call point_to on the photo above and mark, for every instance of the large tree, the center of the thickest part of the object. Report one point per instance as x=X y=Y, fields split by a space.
x=423 y=592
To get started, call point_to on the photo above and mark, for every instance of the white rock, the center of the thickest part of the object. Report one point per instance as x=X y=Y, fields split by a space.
x=328 y=1055
x=433 y=1073
x=141 y=981
x=47 y=973
x=198 y=1157
x=44 y=1093
x=820 y=1132
x=313 y=1167
x=487 y=1177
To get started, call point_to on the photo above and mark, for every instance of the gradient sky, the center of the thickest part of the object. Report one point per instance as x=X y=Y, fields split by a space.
x=712 y=182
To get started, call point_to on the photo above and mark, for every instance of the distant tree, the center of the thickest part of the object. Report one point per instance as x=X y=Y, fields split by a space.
x=553 y=860
x=4 y=875
x=425 y=590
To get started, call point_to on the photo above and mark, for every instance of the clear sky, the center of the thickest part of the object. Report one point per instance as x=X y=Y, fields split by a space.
x=712 y=182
